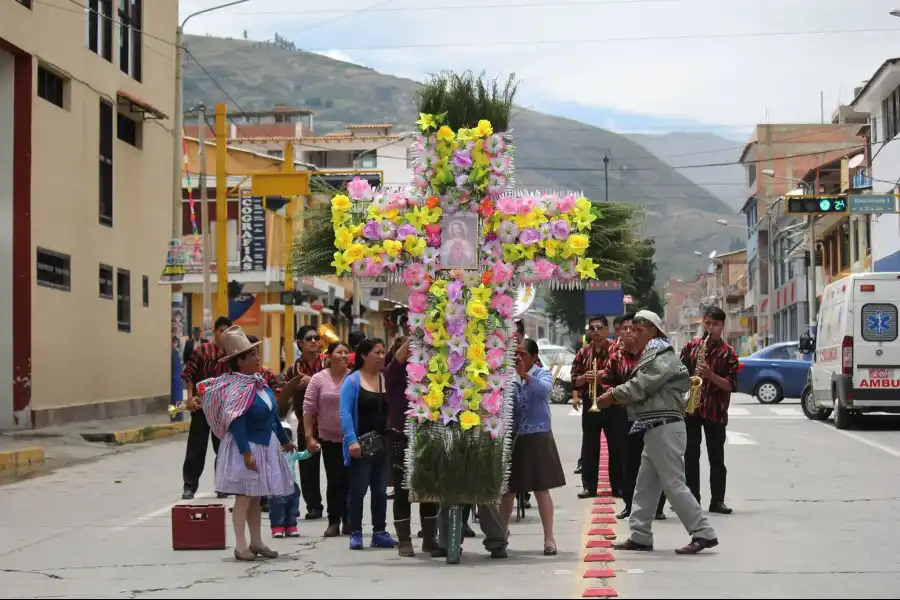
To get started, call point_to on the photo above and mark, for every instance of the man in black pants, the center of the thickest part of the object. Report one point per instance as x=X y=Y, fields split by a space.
x=203 y=364
x=587 y=366
x=719 y=376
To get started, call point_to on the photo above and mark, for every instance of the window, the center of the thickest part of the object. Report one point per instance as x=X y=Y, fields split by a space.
x=146 y=291
x=123 y=300
x=128 y=129
x=106 y=163
x=130 y=23
x=879 y=322
x=890 y=111
x=231 y=235
x=367 y=159
x=751 y=175
x=99 y=29
x=25 y=3
x=53 y=270
x=51 y=87
x=106 y=282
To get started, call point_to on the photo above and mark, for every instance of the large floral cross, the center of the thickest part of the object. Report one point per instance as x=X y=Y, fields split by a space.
x=462 y=240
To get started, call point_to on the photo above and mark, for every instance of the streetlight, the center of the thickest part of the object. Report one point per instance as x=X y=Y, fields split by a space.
x=178 y=156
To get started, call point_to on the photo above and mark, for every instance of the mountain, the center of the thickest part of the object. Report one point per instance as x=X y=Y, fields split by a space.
x=551 y=152
x=679 y=149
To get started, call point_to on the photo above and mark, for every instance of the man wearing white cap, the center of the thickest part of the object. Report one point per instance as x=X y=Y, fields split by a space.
x=655 y=399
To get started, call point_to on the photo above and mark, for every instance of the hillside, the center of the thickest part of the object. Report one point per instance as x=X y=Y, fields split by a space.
x=678 y=149
x=550 y=151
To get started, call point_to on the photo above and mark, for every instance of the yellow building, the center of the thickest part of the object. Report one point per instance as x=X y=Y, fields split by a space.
x=85 y=185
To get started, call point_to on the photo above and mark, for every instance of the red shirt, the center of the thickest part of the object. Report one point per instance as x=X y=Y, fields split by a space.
x=723 y=361
x=584 y=362
x=204 y=364
x=618 y=368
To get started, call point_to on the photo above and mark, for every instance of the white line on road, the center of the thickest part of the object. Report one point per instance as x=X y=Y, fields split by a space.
x=739 y=439
x=861 y=439
x=736 y=411
x=766 y=417
x=158 y=513
x=786 y=411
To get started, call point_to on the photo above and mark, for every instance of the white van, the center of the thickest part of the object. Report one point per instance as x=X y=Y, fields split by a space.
x=856 y=364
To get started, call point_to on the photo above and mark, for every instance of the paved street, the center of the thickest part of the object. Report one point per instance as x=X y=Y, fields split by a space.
x=815 y=516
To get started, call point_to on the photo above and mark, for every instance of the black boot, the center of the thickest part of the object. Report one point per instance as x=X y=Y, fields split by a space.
x=405 y=546
x=429 y=534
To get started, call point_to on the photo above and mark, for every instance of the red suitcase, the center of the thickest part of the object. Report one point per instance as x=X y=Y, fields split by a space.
x=198 y=527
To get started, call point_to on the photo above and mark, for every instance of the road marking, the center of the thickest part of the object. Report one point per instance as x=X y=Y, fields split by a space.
x=736 y=411
x=739 y=439
x=889 y=450
x=767 y=417
x=786 y=411
x=635 y=571
x=574 y=413
x=160 y=512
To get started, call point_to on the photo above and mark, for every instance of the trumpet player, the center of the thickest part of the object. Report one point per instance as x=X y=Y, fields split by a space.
x=719 y=372
x=586 y=373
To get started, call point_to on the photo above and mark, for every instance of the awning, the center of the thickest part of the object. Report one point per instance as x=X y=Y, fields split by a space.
x=140 y=106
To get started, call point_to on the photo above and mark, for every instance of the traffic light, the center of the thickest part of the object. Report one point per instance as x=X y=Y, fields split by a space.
x=816 y=205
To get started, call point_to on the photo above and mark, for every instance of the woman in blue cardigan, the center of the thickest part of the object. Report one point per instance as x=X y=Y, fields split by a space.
x=364 y=422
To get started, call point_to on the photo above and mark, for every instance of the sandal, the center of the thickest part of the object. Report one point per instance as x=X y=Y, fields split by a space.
x=264 y=551
x=549 y=549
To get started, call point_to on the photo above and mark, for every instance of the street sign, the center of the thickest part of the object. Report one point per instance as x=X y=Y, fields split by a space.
x=816 y=205
x=873 y=204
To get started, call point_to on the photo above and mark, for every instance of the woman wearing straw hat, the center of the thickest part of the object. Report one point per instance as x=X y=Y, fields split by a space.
x=243 y=412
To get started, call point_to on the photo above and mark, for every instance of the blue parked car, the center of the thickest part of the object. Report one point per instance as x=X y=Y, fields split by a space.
x=774 y=373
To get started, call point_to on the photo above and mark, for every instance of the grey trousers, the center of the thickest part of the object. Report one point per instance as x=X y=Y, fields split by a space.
x=490 y=522
x=662 y=470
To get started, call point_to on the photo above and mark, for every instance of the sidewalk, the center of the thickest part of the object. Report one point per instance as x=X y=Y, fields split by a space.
x=34 y=450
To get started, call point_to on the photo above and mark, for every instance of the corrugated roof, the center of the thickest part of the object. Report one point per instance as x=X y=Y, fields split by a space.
x=371 y=126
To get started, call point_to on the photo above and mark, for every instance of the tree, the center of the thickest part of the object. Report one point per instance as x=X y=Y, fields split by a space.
x=642 y=286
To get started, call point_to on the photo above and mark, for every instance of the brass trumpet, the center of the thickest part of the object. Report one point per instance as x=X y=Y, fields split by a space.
x=595 y=407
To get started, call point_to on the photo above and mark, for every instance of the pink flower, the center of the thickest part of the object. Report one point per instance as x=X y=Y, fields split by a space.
x=418 y=302
x=503 y=272
x=359 y=268
x=374 y=269
x=559 y=229
x=359 y=189
x=503 y=304
x=544 y=269
x=416 y=372
x=434 y=235
x=566 y=271
x=493 y=425
x=526 y=204
x=508 y=205
x=495 y=341
x=549 y=203
x=566 y=203
x=405 y=230
x=414 y=277
x=492 y=402
x=529 y=236
x=495 y=358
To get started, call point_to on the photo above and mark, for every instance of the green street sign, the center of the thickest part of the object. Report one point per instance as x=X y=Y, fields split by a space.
x=873 y=204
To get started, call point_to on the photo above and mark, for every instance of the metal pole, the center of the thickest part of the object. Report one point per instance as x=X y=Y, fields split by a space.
x=289 y=329
x=771 y=277
x=221 y=211
x=812 y=294
x=204 y=223
x=606 y=176
x=178 y=158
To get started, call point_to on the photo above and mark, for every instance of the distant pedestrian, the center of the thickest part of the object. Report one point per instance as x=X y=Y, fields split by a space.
x=192 y=344
x=204 y=363
x=243 y=412
x=654 y=397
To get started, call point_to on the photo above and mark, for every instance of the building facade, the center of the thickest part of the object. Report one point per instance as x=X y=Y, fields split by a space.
x=85 y=169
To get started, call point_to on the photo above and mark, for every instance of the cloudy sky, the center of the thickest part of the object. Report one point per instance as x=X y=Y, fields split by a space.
x=627 y=65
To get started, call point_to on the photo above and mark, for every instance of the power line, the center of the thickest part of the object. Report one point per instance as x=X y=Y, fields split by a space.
x=214 y=80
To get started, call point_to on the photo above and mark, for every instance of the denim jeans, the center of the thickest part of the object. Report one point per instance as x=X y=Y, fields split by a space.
x=368 y=474
x=284 y=511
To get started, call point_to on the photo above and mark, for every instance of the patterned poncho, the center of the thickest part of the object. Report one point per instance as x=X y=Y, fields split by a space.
x=227 y=397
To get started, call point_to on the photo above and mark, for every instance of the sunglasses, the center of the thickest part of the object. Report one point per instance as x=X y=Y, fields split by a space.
x=312 y=338
x=596 y=327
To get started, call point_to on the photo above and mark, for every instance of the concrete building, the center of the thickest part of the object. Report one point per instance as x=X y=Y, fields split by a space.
x=880 y=97
x=789 y=151
x=85 y=167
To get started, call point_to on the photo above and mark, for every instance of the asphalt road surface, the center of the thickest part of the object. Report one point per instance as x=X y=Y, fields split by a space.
x=815 y=517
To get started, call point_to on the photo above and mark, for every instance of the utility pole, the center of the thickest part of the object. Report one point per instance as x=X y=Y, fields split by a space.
x=221 y=211
x=204 y=224
x=812 y=294
x=178 y=159
x=288 y=167
x=606 y=175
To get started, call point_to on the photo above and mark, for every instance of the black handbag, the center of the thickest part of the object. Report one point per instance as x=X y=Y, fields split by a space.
x=372 y=443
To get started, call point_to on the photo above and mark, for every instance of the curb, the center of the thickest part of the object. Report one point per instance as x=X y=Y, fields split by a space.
x=143 y=434
x=598 y=557
x=20 y=461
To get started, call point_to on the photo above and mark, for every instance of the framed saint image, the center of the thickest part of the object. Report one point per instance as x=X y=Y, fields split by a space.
x=459 y=242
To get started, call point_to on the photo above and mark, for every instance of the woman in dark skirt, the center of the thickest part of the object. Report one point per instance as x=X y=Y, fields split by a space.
x=535 y=460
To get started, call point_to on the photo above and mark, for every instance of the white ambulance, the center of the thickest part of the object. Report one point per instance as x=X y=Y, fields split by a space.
x=856 y=362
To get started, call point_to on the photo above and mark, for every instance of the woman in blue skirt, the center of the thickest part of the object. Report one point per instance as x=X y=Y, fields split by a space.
x=243 y=412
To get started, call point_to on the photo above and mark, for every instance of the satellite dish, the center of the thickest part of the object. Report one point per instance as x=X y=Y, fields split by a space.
x=856 y=161
x=524 y=299
x=712 y=254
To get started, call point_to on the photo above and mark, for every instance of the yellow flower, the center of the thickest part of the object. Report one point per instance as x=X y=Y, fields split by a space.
x=445 y=134
x=356 y=231
x=474 y=404
x=583 y=221
x=340 y=203
x=342 y=238
x=375 y=250
x=476 y=352
x=464 y=135
x=512 y=252
x=470 y=395
x=476 y=310
x=582 y=206
x=484 y=128
x=339 y=218
x=435 y=397
x=528 y=252
x=440 y=338
x=475 y=331
x=433 y=215
x=426 y=122
x=355 y=252
x=438 y=288
x=393 y=248
x=481 y=294
x=586 y=268
x=478 y=385
x=551 y=248
x=435 y=415
x=468 y=420
x=439 y=380
x=477 y=369
x=417 y=217
x=437 y=364
x=479 y=158
x=414 y=245
x=340 y=263
x=577 y=243
x=532 y=219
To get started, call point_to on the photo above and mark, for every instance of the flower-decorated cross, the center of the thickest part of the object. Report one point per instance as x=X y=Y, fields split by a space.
x=462 y=240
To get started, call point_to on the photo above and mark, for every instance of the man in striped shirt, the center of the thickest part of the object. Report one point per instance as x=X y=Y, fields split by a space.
x=203 y=364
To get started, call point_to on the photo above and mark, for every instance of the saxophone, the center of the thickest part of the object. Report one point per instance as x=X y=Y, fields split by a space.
x=693 y=404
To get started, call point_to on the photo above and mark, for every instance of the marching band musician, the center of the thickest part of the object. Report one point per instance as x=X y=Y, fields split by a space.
x=719 y=374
